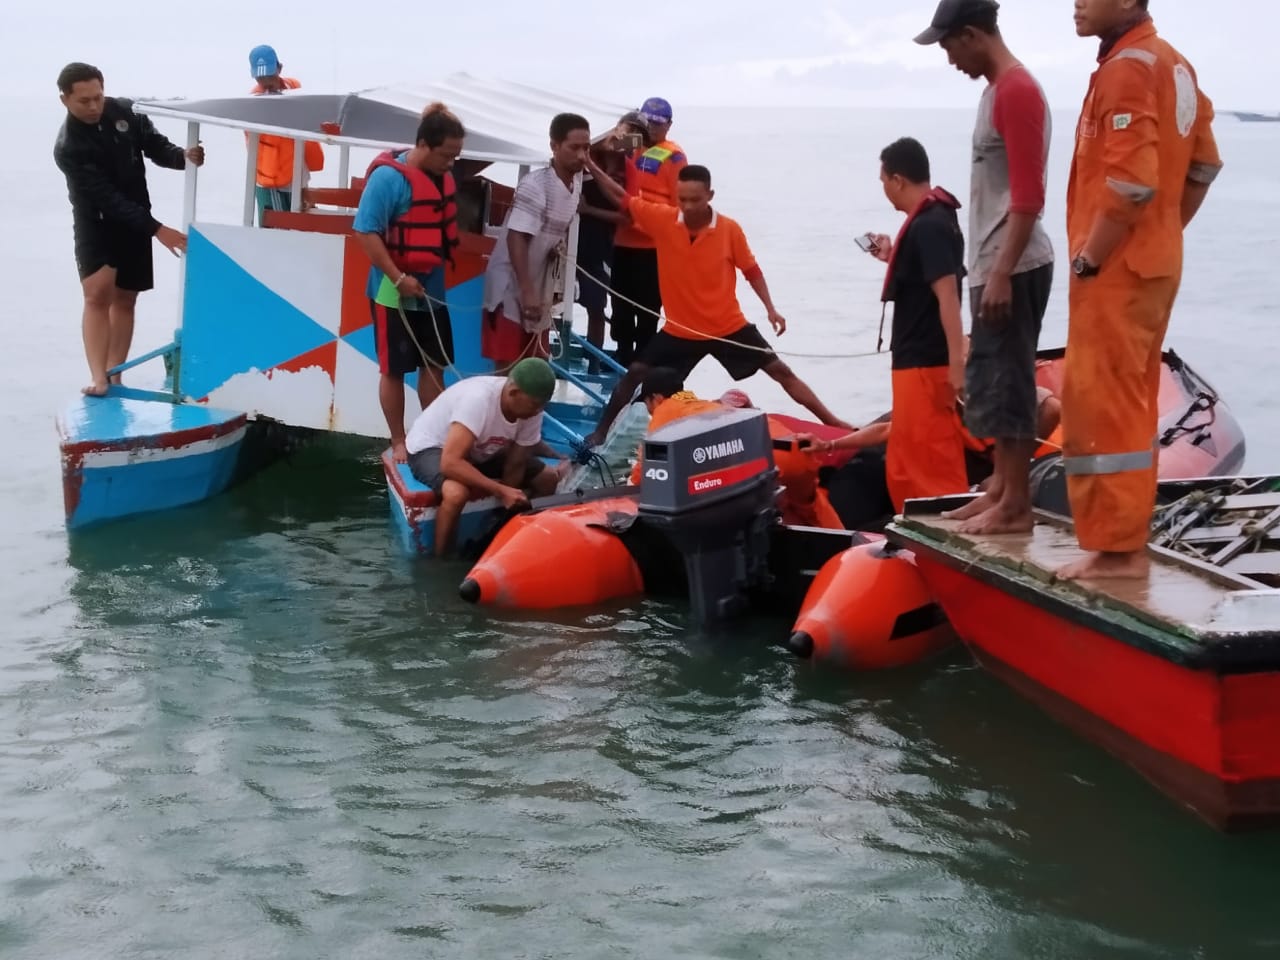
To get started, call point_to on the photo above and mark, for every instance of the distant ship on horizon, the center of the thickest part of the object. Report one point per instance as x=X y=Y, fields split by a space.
x=1255 y=117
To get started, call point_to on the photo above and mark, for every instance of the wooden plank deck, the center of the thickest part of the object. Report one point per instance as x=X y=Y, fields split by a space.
x=1182 y=594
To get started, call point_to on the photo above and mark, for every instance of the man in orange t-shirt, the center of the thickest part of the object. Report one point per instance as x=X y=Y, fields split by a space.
x=1144 y=158
x=700 y=253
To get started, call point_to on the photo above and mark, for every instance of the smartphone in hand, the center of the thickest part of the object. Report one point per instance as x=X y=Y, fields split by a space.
x=867 y=242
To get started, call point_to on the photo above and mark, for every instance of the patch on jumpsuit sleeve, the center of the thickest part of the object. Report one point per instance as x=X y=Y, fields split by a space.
x=1121 y=121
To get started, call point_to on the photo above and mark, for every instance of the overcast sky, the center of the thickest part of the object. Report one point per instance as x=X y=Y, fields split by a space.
x=742 y=52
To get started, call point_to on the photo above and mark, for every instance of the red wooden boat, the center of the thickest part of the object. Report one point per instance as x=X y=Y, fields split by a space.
x=1178 y=675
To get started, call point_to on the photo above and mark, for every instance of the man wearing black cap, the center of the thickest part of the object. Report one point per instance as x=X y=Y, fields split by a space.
x=1010 y=256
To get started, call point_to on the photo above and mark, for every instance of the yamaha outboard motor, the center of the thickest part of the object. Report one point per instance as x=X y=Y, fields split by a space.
x=708 y=482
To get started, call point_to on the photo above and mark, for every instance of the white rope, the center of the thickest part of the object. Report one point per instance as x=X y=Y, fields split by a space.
x=704 y=336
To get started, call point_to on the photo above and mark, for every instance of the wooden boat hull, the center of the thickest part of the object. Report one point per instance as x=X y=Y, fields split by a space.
x=130 y=453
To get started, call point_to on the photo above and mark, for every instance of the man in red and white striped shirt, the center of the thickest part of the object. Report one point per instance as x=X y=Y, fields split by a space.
x=1010 y=256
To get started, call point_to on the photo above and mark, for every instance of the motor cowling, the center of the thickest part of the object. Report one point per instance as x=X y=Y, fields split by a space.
x=709 y=483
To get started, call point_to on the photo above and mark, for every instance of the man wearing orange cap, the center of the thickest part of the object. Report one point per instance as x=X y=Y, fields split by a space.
x=1145 y=156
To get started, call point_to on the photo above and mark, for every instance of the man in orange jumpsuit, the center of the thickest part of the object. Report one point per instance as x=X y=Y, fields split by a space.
x=1144 y=159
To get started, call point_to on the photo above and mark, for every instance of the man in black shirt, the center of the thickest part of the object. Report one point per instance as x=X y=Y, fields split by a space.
x=100 y=150
x=925 y=455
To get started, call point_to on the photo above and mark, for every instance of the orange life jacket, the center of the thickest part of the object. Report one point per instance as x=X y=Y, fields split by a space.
x=651 y=175
x=275 y=154
x=803 y=503
x=424 y=237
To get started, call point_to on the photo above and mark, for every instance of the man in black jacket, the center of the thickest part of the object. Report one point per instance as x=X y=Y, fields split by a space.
x=100 y=150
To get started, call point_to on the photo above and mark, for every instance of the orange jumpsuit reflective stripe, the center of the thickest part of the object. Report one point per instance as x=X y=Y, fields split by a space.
x=925 y=455
x=1144 y=131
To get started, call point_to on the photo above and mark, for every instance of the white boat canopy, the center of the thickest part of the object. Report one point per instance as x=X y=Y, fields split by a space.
x=506 y=122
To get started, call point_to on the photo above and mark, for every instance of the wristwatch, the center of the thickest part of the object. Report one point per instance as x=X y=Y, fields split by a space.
x=1082 y=268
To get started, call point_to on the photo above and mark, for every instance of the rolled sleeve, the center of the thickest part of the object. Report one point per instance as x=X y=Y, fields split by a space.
x=1205 y=159
x=1127 y=123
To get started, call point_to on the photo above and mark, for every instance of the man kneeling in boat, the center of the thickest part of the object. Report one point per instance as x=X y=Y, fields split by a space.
x=481 y=438
x=700 y=252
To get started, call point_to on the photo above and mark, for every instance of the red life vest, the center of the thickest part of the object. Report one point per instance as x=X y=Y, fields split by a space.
x=424 y=237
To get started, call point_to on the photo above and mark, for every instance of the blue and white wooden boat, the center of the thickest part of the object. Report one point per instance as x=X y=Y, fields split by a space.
x=274 y=330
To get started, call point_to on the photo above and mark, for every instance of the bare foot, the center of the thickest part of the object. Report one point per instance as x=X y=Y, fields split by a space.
x=971 y=509
x=399 y=453
x=1108 y=566
x=96 y=389
x=999 y=519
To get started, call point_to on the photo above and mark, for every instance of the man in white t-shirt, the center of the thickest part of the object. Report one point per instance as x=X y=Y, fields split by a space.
x=516 y=315
x=479 y=438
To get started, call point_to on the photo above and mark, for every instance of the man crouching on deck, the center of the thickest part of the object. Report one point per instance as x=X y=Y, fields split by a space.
x=480 y=437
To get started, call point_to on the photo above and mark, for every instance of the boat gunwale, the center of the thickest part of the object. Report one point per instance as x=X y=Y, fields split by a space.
x=1216 y=651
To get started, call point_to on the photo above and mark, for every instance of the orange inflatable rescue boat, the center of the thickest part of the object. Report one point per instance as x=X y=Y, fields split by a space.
x=867 y=609
x=562 y=557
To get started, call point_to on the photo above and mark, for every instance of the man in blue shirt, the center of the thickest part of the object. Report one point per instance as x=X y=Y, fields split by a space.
x=407 y=224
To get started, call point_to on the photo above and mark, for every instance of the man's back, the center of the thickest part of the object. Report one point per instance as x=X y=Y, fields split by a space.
x=1144 y=130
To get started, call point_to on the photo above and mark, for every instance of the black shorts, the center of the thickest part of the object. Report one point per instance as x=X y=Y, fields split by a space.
x=398 y=353
x=425 y=466
x=99 y=245
x=595 y=257
x=683 y=354
x=1000 y=375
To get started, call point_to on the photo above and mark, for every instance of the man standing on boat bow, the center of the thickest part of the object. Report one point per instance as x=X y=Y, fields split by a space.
x=407 y=224
x=1144 y=159
x=100 y=150
x=1010 y=257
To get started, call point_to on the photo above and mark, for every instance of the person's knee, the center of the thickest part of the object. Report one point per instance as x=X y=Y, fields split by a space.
x=544 y=483
x=124 y=299
x=453 y=495
x=100 y=288
x=780 y=371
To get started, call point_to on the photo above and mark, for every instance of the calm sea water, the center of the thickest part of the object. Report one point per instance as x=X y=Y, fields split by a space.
x=250 y=728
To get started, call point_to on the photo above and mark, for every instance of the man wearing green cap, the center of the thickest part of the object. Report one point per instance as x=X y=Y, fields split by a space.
x=481 y=438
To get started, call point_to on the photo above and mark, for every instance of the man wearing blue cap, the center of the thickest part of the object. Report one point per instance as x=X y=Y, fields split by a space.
x=481 y=438
x=651 y=175
x=274 y=190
